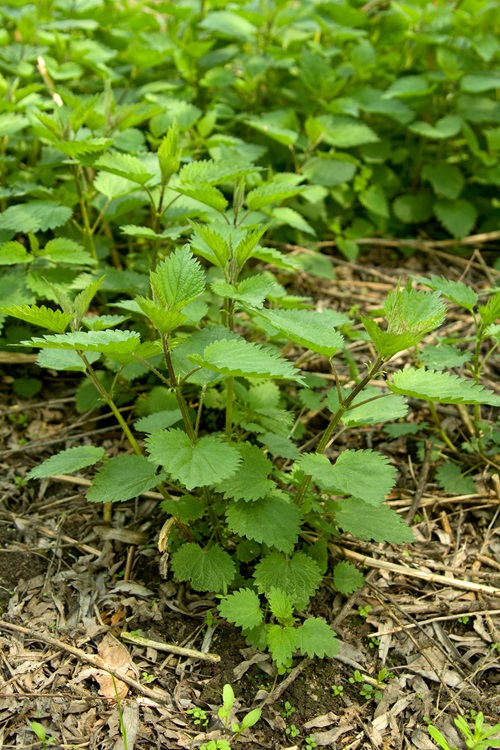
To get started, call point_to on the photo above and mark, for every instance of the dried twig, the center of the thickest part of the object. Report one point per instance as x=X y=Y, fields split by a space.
x=193 y=653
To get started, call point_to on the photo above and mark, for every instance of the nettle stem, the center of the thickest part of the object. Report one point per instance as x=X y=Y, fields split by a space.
x=334 y=421
x=177 y=388
x=88 y=231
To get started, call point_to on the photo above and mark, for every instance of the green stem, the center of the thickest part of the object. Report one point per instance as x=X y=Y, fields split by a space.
x=88 y=233
x=437 y=422
x=330 y=429
x=177 y=388
x=229 y=406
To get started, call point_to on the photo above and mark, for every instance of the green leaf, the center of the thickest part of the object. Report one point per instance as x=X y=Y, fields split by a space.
x=186 y=508
x=383 y=409
x=316 y=638
x=272 y=192
x=207 y=570
x=345 y=132
x=196 y=344
x=413 y=208
x=443 y=357
x=106 y=342
x=211 y=245
x=408 y=86
x=12 y=253
x=251 y=291
x=68 y=461
x=365 y=474
x=209 y=461
x=56 y=359
x=281 y=606
x=313 y=330
x=456 y=291
x=279 y=445
x=380 y=523
x=250 y=481
x=241 y=358
x=122 y=478
x=282 y=643
x=273 y=520
x=247 y=247
x=453 y=482
x=298 y=576
x=328 y=171
x=490 y=312
x=243 y=608
x=441 y=387
x=285 y=216
x=102 y=322
x=225 y=23
x=124 y=165
x=203 y=192
x=165 y=321
x=475 y=83
x=214 y=171
x=169 y=154
x=112 y=186
x=160 y=420
x=457 y=217
x=35 y=216
x=347 y=578
x=52 y=320
x=179 y=279
x=82 y=301
x=446 y=127
x=446 y=179
x=62 y=250
x=374 y=199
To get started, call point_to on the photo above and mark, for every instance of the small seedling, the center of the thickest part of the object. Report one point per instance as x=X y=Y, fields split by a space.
x=363 y=612
x=216 y=745
x=225 y=711
x=292 y=731
x=311 y=741
x=337 y=690
x=147 y=678
x=42 y=735
x=200 y=717
x=288 y=710
x=476 y=738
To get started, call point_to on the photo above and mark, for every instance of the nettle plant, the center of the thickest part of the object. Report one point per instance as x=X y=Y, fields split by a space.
x=250 y=508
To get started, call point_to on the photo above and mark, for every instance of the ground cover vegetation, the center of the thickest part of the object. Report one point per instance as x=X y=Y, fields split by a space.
x=159 y=161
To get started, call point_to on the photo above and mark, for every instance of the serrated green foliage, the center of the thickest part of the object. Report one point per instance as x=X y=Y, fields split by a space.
x=63 y=250
x=211 y=245
x=380 y=523
x=272 y=520
x=384 y=408
x=443 y=356
x=206 y=569
x=347 y=578
x=282 y=643
x=35 y=216
x=273 y=192
x=243 y=608
x=124 y=165
x=458 y=217
x=208 y=461
x=456 y=291
x=364 y=474
x=67 y=461
x=250 y=482
x=441 y=387
x=252 y=291
x=490 y=312
x=453 y=482
x=165 y=321
x=297 y=575
x=105 y=342
x=204 y=193
x=122 y=478
x=244 y=359
x=186 y=508
x=316 y=638
x=281 y=606
x=169 y=153
x=12 y=253
x=313 y=330
x=177 y=280
x=52 y=320
x=84 y=298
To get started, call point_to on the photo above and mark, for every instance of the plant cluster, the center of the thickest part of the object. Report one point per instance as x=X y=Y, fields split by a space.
x=133 y=234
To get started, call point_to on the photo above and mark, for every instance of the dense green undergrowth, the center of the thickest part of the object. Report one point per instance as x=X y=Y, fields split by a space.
x=149 y=153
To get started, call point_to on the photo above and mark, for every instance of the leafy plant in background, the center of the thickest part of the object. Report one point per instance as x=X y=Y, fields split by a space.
x=479 y=737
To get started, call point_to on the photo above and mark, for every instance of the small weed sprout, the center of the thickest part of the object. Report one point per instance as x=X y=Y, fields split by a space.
x=42 y=735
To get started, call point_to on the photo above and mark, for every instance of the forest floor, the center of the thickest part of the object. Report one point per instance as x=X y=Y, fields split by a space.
x=419 y=642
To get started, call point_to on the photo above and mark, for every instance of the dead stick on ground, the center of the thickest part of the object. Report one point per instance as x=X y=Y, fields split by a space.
x=415 y=573
x=160 y=696
x=138 y=640
x=422 y=482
